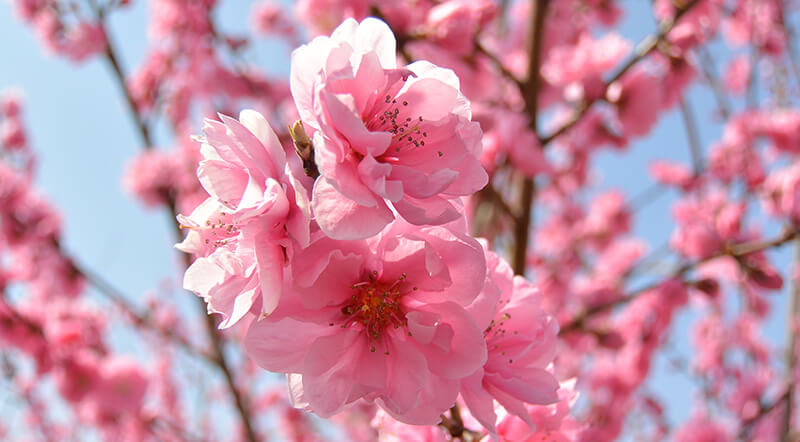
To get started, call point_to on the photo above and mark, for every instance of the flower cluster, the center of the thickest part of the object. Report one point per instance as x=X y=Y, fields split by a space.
x=360 y=281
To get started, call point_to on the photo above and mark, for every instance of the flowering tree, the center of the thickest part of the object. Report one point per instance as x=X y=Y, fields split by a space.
x=410 y=231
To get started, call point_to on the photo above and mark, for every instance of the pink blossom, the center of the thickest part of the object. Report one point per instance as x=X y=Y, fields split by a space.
x=608 y=217
x=550 y=423
x=12 y=134
x=187 y=18
x=157 y=176
x=584 y=63
x=382 y=133
x=506 y=136
x=679 y=76
x=76 y=42
x=705 y=224
x=695 y=26
x=638 y=97
x=323 y=16
x=269 y=18
x=454 y=23
x=703 y=428
x=257 y=210
x=10 y=103
x=521 y=341
x=737 y=75
x=672 y=174
x=122 y=386
x=782 y=193
x=758 y=23
x=77 y=375
x=382 y=320
x=390 y=430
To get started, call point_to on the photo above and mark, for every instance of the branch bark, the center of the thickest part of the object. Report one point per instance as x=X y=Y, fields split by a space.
x=530 y=93
x=791 y=351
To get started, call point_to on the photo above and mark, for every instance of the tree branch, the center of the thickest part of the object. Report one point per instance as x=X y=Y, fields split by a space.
x=643 y=49
x=530 y=93
x=138 y=318
x=791 y=351
x=218 y=355
x=735 y=251
x=692 y=136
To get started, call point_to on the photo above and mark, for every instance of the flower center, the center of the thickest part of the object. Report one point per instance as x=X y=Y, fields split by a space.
x=216 y=233
x=375 y=305
x=407 y=132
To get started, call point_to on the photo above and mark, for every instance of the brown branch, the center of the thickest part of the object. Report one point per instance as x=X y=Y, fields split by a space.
x=763 y=410
x=454 y=425
x=218 y=355
x=735 y=251
x=490 y=193
x=693 y=136
x=530 y=93
x=789 y=34
x=138 y=318
x=33 y=326
x=791 y=351
x=114 y=64
x=710 y=73
x=479 y=48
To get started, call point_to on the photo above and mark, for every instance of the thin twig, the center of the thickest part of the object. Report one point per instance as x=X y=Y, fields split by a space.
x=643 y=49
x=218 y=354
x=692 y=136
x=498 y=64
x=454 y=425
x=735 y=251
x=142 y=319
x=789 y=34
x=116 y=67
x=791 y=351
x=710 y=73
x=764 y=410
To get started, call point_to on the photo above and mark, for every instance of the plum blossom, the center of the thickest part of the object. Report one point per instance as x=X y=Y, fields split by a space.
x=390 y=430
x=257 y=210
x=551 y=423
x=383 y=320
x=453 y=24
x=672 y=174
x=322 y=16
x=521 y=341
x=703 y=428
x=782 y=193
x=638 y=98
x=737 y=74
x=582 y=64
x=383 y=133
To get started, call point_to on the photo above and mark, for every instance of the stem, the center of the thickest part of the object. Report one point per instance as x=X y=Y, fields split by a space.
x=454 y=425
x=763 y=411
x=710 y=73
x=530 y=94
x=791 y=351
x=643 y=49
x=693 y=136
x=114 y=63
x=735 y=251
x=141 y=319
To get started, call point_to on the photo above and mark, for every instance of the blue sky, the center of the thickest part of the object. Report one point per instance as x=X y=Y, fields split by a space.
x=80 y=127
